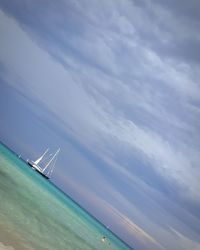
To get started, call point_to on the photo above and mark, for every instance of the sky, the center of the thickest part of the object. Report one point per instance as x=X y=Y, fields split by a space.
x=115 y=85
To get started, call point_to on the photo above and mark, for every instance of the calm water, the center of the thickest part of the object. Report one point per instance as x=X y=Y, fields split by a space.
x=36 y=215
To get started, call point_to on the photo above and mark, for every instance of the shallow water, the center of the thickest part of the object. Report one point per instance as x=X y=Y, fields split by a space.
x=34 y=214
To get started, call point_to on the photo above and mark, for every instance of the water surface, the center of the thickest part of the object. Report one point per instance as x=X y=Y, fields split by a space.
x=34 y=214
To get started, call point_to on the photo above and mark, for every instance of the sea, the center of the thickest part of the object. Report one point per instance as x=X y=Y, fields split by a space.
x=34 y=214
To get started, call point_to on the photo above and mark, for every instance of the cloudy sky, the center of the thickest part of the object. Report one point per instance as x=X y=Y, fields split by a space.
x=115 y=84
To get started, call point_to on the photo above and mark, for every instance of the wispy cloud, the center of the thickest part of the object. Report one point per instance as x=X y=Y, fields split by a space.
x=185 y=242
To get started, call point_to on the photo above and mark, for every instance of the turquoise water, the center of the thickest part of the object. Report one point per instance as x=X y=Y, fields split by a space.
x=34 y=214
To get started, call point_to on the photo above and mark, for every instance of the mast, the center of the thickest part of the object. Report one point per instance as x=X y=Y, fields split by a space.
x=51 y=169
x=51 y=160
x=41 y=157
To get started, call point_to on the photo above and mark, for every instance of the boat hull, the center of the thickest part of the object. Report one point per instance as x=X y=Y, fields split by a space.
x=45 y=176
x=36 y=169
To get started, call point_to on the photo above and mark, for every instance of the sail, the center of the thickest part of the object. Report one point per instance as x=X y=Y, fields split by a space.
x=41 y=157
x=51 y=160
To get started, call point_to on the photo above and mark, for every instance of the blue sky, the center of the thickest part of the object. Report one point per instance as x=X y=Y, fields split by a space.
x=115 y=84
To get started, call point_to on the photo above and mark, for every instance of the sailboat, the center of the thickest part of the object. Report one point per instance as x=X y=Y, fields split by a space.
x=47 y=170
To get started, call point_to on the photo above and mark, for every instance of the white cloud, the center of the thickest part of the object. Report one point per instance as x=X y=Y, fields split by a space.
x=90 y=117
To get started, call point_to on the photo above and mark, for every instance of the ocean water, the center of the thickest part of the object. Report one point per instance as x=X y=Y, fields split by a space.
x=34 y=214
